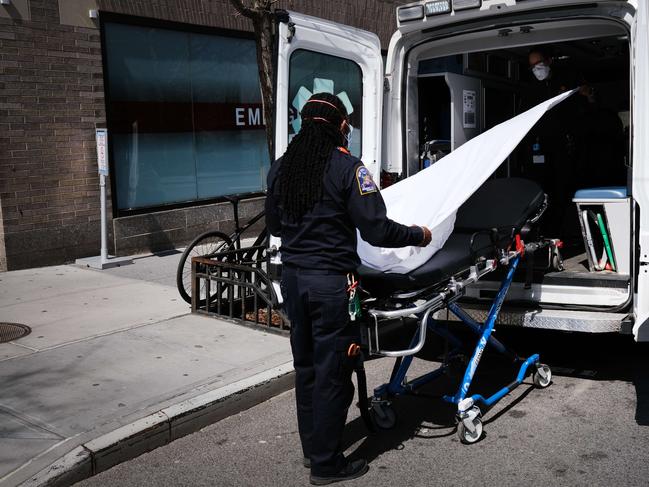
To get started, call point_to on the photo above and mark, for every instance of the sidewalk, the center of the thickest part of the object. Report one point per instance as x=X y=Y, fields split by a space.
x=115 y=365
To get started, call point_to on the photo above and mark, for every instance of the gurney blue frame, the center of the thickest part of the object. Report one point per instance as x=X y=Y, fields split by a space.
x=467 y=412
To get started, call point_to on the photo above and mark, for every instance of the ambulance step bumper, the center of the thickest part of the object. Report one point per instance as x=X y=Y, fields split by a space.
x=550 y=319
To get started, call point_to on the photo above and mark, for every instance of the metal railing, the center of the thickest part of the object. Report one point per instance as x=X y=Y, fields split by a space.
x=234 y=284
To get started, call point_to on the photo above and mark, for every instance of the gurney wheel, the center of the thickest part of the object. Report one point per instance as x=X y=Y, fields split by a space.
x=466 y=436
x=384 y=416
x=542 y=380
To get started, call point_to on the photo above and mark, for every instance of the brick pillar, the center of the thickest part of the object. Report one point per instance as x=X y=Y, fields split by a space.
x=3 y=254
x=50 y=104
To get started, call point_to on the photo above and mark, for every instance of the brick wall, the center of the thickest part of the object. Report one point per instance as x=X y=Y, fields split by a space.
x=51 y=101
x=3 y=253
x=377 y=16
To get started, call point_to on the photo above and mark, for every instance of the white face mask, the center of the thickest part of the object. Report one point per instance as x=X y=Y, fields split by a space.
x=541 y=71
x=348 y=137
x=346 y=130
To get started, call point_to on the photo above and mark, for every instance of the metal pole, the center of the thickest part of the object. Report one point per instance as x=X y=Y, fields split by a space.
x=103 y=262
x=102 y=195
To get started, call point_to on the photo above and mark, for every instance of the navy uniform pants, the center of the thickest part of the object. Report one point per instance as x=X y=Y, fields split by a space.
x=316 y=302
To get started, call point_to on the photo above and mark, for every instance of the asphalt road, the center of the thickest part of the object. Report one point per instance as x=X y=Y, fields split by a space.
x=590 y=427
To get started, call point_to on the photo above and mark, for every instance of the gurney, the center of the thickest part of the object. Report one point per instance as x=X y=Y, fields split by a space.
x=496 y=227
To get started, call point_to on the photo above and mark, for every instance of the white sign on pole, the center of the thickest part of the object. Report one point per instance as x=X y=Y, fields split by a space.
x=101 y=136
x=104 y=261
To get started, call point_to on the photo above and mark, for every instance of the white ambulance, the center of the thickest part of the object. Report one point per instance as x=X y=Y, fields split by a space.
x=455 y=68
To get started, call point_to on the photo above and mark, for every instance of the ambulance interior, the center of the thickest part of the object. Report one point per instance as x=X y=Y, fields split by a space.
x=454 y=97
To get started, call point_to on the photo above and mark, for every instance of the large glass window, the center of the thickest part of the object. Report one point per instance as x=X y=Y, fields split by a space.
x=185 y=116
x=312 y=72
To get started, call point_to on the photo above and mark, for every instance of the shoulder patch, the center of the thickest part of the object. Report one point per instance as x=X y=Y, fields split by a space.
x=365 y=182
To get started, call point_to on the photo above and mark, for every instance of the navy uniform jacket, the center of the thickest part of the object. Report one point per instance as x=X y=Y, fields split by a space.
x=325 y=237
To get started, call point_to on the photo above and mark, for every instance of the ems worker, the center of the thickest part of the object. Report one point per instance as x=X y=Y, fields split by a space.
x=557 y=140
x=318 y=195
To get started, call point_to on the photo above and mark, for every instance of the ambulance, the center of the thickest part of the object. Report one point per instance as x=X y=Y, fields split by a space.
x=456 y=68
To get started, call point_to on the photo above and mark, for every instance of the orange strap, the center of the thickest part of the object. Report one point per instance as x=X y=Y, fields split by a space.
x=344 y=150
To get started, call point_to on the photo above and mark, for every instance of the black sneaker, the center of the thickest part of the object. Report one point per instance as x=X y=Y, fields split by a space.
x=306 y=461
x=352 y=470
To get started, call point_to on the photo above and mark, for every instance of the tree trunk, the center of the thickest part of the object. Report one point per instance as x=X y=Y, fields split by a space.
x=263 y=25
x=262 y=21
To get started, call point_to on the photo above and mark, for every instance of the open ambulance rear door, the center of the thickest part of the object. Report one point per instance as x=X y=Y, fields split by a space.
x=640 y=60
x=316 y=55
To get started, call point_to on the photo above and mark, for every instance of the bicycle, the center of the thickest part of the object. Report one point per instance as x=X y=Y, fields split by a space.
x=214 y=244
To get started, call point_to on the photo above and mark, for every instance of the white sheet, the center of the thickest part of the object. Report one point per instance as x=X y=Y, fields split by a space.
x=432 y=196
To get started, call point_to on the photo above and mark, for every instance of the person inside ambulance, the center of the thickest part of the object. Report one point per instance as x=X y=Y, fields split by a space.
x=579 y=144
x=318 y=196
x=553 y=79
x=554 y=147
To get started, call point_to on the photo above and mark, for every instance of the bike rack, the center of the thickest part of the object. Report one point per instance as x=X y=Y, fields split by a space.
x=237 y=287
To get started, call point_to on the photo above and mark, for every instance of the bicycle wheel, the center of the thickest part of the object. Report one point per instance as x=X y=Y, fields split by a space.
x=205 y=245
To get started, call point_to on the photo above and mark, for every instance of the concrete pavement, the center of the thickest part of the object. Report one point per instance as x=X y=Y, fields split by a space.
x=101 y=382
x=589 y=428
x=116 y=365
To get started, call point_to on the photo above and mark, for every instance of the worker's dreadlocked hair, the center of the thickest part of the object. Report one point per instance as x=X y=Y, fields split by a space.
x=307 y=156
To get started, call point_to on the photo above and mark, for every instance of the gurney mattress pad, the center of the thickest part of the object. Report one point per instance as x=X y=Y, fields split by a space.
x=505 y=204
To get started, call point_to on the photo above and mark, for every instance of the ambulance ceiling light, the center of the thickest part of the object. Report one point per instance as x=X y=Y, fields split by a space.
x=438 y=7
x=414 y=12
x=463 y=4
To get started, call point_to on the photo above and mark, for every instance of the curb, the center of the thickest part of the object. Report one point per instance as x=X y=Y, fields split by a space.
x=162 y=427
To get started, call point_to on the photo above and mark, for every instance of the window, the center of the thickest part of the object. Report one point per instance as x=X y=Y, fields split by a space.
x=311 y=72
x=184 y=116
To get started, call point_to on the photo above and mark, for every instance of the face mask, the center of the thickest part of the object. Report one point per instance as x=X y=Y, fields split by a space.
x=541 y=71
x=348 y=135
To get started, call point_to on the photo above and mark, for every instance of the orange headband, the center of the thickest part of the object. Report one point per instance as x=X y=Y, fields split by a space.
x=330 y=104
x=318 y=118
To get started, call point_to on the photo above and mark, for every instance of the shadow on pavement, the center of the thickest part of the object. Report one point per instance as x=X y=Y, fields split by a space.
x=609 y=357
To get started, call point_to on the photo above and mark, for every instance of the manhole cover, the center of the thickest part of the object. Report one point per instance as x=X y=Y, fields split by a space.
x=13 y=331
